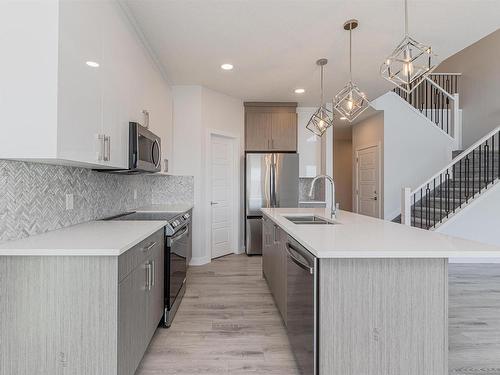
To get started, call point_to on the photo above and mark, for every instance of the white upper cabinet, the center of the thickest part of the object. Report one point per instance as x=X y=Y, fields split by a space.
x=309 y=145
x=76 y=77
x=80 y=86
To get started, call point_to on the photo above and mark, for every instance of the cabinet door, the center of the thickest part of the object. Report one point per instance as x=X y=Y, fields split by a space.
x=266 y=251
x=282 y=274
x=132 y=320
x=79 y=85
x=284 y=131
x=258 y=130
x=156 y=303
x=118 y=50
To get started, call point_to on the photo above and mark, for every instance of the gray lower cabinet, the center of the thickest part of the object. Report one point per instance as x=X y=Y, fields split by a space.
x=141 y=304
x=76 y=315
x=274 y=262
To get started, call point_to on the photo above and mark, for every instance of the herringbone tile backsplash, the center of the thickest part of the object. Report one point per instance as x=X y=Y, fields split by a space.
x=33 y=196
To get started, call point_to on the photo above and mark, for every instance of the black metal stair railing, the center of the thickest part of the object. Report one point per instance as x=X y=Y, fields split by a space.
x=469 y=174
x=436 y=99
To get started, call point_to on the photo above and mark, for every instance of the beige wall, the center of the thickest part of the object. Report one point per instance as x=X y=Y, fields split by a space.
x=366 y=133
x=479 y=86
x=342 y=166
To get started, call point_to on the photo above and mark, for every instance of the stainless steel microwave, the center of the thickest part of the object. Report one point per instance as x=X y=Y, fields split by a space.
x=144 y=150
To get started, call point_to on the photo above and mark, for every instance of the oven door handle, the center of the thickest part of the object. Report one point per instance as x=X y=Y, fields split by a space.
x=302 y=265
x=178 y=236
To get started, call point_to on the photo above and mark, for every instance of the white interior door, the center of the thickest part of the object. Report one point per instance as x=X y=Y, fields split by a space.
x=222 y=200
x=367 y=189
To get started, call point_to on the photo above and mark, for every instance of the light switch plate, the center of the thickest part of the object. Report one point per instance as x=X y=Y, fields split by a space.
x=69 y=201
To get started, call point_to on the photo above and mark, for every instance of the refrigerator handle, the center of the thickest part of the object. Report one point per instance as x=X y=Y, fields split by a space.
x=273 y=184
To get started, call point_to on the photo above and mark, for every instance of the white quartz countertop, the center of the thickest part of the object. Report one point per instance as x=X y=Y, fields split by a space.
x=172 y=208
x=95 y=238
x=359 y=236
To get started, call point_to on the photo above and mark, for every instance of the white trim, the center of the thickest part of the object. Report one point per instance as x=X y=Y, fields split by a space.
x=200 y=261
x=236 y=191
x=379 y=187
x=143 y=40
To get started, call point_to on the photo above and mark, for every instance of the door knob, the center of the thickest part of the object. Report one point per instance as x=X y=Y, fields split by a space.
x=213 y=203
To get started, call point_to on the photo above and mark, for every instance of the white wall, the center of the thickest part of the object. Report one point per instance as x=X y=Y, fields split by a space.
x=479 y=221
x=196 y=111
x=414 y=149
x=187 y=154
x=225 y=115
x=308 y=144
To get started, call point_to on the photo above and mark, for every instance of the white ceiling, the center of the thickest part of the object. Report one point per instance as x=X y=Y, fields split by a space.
x=274 y=44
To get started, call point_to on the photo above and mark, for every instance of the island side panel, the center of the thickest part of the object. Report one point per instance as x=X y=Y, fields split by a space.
x=383 y=316
x=58 y=315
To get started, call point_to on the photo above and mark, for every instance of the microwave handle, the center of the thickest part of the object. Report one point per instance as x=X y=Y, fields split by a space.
x=158 y=162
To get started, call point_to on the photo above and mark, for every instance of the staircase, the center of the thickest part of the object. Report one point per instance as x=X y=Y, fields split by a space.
x=437 y=99
x=470 y=173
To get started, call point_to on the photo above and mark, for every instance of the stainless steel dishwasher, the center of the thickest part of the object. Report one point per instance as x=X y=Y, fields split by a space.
x=301 y=283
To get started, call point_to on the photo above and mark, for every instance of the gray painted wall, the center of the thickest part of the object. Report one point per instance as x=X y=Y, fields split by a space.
x=33 y=196
x=479 y=86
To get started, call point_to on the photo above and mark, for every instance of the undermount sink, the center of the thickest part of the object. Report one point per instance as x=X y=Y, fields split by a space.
x=309 y=219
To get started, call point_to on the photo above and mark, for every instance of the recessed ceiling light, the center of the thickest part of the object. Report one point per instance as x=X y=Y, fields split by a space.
x=343 y=118
x=300 y=91
x=92 y=64
x=226 y=66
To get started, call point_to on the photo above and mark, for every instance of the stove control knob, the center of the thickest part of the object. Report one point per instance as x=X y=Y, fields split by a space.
x=174 y=224
x=186 y=216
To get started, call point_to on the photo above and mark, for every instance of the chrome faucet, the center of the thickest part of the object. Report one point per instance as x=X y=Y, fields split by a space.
x=333 y=209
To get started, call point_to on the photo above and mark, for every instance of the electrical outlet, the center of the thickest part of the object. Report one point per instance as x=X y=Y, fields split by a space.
x=69 y=201
x=135 y=194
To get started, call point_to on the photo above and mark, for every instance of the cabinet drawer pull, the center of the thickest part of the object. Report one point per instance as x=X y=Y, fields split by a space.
x=153 y=276
x=107 y=148
x=149 y=247
x=148 y=275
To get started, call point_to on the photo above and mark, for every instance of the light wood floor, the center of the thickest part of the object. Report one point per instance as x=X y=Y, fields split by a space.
x=474 y=318
x=228 y=324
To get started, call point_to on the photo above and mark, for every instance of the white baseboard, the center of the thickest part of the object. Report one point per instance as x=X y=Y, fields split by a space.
x=200 y=261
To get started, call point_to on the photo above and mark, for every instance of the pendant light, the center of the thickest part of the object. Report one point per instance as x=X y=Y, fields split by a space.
x=322 y=119
x=410 y=63
x=350 y=102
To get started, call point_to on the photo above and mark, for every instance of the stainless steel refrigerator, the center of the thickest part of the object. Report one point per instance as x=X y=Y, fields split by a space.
x=272 y=180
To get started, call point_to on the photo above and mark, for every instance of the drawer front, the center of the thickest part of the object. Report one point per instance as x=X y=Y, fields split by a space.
x=140 y=252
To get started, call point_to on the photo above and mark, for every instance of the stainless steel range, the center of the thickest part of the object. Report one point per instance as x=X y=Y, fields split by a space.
x=178 y=242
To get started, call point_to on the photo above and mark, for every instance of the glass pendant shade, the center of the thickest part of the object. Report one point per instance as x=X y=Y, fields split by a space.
x=410 y=63
x=350 y=102
x=322 y=119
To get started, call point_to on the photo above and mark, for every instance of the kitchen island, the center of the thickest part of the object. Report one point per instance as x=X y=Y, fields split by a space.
x=361 y=295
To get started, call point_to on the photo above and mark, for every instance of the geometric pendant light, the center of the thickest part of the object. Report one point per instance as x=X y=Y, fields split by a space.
x=322 y=119
x=410 y=63
x=350 y=102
